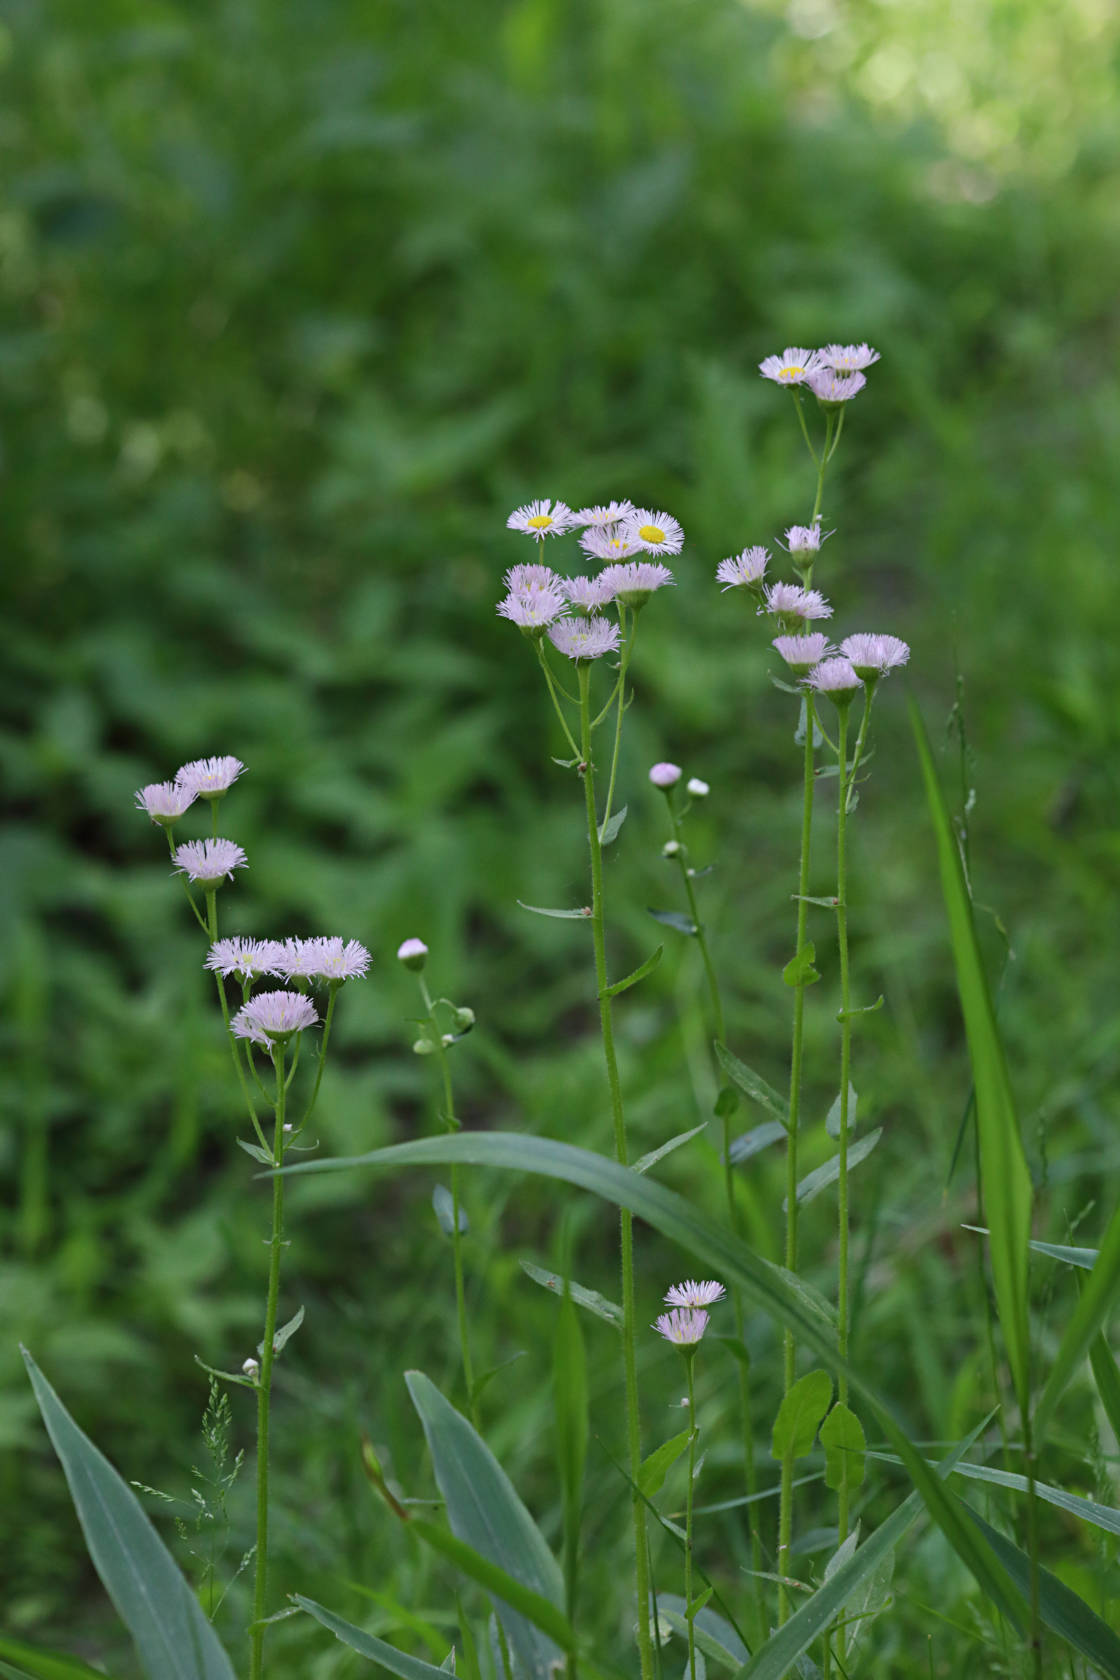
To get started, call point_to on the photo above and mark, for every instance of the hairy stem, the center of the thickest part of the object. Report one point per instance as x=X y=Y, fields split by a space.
x=264 y=1381
x=845 y=1079
x=692 y=1433
x=628 y=635
x=450 y=1121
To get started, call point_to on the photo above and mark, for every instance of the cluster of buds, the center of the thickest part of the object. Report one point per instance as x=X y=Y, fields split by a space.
x=666 y=776
x=413 y=953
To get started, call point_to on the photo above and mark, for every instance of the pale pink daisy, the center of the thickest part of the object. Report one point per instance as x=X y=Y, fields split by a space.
x=412 y=952
x=747 y=568
x=609 y=542
x=835 y=677
x=848 y=358
x=801 y=653
x=297 y=959
x=609 y=515
x=693 y=1294
x=793 y=606
x=836 y=387
x=245 y=957
x=805 y=539
x=164 y=802
x=873 y=656
x=665 y=775
x=584 y=638
x=209 y=861
x=587 y=594
x=533 y=612
x=273 y=1017
x=530 y=579
x=634 y=581
x=792 y=367
x=542 y=519
x=339 y=959
x=684 y=1326
x=656 y=533
x=209 y=778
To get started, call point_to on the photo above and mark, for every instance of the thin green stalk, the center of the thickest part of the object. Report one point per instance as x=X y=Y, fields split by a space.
x=606 y=1023
x=801 y=422
x=845 y=1079
x=1033 y=1544
x=785 y=1503
x=264 y=1381
x=861 y=742
x=550 y=680
x=692 y=1433
x=628 y=637
x=210 y=926
x=327 y=1019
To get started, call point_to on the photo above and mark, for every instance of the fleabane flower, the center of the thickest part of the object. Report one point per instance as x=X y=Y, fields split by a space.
x=609 y=542
x=542 y=519
x=164 y=802
x=792 y=367
x=534 y=612
x=744 y=570
x=793 y=606
x=848 y=358
x=684 y=1326
x=693 y=1294
x=805 y=539
x=209 y=862
x=412 y=953
x=244 y=957
x=587 y=595
x=832 y=387
x=530 y=579
x=634 y=581
x=609 y=515
x=873 y=656
x=801 y=653
x=665 y=775
x=656 y=533
x=584 y=638
x=339 y=959
x=209 y=778
x=297 y=959
x=835 y=677
x=273 y=1017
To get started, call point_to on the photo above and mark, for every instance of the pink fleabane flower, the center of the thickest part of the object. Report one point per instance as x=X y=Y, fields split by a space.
x=873 y=656
x=835 y=677
x=656 y=533
x=684 y=1326
x=244 y=957
x=792 y=367
x=634 y=581
x=412 y=953
x=534 y=612
x=793 y=606
x=297 y=959
x=801 y=653
x=832 y=387
x=164 y=802
x=273 y=1017
x=339 y=959
x=542 y=519
x=584 y=638
x=587 y=595
x=209 y=862
x=609 y=515
x=209 y=778
x=805 y=539
x=609 y=542
x=848 y=358
x=530 y=579
x=693 y=1294
x=746 y=569
x=665 y=775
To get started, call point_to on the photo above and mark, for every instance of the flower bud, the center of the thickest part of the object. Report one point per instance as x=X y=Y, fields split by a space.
x=413 y=953
x=464 y=1019
x=671 y=849
x=665 y=775
x=250 y=1368
x=423 y=1047
x=697 y=788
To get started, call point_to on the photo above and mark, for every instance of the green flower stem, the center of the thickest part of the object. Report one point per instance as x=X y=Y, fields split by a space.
x=842 y=1309
x=264 y=1379
x=327 y=1019
x=210 y=925
x=633 y=1431
x=801 y=422
x=550 y=680
x=861 y=741
x=693 y=910
x=451 y=1122
x=692 y=1434
x=214 y=803
x=785 y=1504
x=628 y=638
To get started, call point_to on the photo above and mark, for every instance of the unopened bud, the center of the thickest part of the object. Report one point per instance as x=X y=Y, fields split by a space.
x=412 y=953
x=448 y=1038
x=665 y=775
x=698 y=789
x=250 y=1367
x=288 y=1127
x=671 y=848
x=423 y=1047
x=464 y=1019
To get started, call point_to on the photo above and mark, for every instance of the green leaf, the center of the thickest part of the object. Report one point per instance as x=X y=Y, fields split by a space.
x=507 y=1589
x=570 y=1409
x=714 y=1636
x=1098 y=1297
x=766 y=1287
x=47 y=1665
x=565 y=915
x=608 y=831
x=655 y=1468
x=172 y=1636
x=645 y=1162
x=1006 y=1183
x=287 y=1331
x=825 y=903
x=639 y=973
x=674 y=919
x=567 y=763
x=860 y=1009
x=598 y=1304
x=367 y=1645
x=832 y=1118
x=800 y=1415
x=726 y=1102
x=255 y=1150
x=238 y=1377
x=821 y=1177
x=444 y=1204
x=1084 y=1258
x=482 y=1382
x=799 y=970
x=1106 y=1375
x=844 y=1446
x=758 y=1138
x=753 y=1085
x=1101 y=1516
x=487 y=1516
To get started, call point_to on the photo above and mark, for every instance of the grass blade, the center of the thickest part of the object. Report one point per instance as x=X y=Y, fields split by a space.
x=47 y=1665
x=1098 y=1297
x=1106 y=1375
x=498 y=1581
x=366 y=1645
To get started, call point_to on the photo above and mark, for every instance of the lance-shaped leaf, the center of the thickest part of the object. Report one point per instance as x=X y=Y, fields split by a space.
x=609 y=1311
x=367 y=1645
x=800 y=1415
x=46 y=1665
x=753 y=1085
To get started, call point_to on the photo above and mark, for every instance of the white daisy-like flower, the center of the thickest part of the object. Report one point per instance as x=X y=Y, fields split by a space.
x=665 y=775
x=793 y=606
x=533 y=613
x=209 y=862
x=805 y=539
x=693 y=1294
x=697 y=788
x=848 y=358
x=634 y=581
x=656 y=533
x=164 y=802
x=873 y=656
x=245 y=957
x=684 y=1326
x=792 y=367
x=745 y=569
x=542 y=519
x=832 y=387
x=530 y=579
x=412 y=953
x=801 y=653
x=584 y=638
x=835 y=677
x=340 y=959
x=609 y=515
x=273 y=1017
x=609 y=542
x=588 y=595
x=209 y=778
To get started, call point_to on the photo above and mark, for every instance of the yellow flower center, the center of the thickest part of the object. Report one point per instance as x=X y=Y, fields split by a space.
x=651 y=533
x=790 y=372
x=540 y=521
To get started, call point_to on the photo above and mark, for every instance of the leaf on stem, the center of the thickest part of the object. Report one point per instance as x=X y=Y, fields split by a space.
x=860 y=1009
x=832 y=1118
x=444 y=1204
x=367 y=1645
x=800 y=1415
x=821 y=1177
x=799 y=970
x=639 y=973
x=598 y=1304
x=264 y=1156
x=845 y=1446
x=226 y=1376
x=284 y=1334
x=655 y=1468
x=760 y=1137
x=645 y=1162
x=582 y=914
x=608 y=831
x=674 y=919
x=752 y=1084
x=46 y=1665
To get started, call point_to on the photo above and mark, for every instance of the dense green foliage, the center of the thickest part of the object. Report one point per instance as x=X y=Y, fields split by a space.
x=296 y=301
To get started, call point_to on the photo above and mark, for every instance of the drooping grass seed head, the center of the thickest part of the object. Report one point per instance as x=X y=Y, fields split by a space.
x=745 y=570
x=792 y=367
x=209 y=778
x=634 y=581
x=693 y=1294
x=609 y=515
x=794 y=607
x=542 y=519
x=655 y=533
x=801 y=653
x=413 y=953
x=274 y=1018
x=581 y=639
x=587 y=596
x=872 y=656
x=164 y=802
x=665 y=776
x=833 y=389
x=836 y=678
x=533 y=612
x=848 y=358
x=209 y=862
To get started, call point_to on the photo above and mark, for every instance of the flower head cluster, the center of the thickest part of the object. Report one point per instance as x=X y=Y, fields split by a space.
x=273 y=1017
x=829 y=387
x=634 y=581
x=848 y=358
x=793 y=606
x=599 y=516
x=209 y=862
x=209 y=778
x=332 y=959
x=835 y=677
x=533 y=611
x=531 y=580
x=693 y=1294
x=609 y=542
x=744 y=570
x=584 y=638
x=588 y=595
x=542 y=519
x=684 y=1326
x=801 y=653
x=164 y=802
x=834 y=374
x=805 y=539
x=245 y=957
x=873 y=656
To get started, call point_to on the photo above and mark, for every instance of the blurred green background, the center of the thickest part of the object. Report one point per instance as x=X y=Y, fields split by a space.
x=297 y=301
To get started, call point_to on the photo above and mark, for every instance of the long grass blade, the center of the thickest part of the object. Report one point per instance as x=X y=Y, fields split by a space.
x=1098 y=1297
x=367 y=1645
